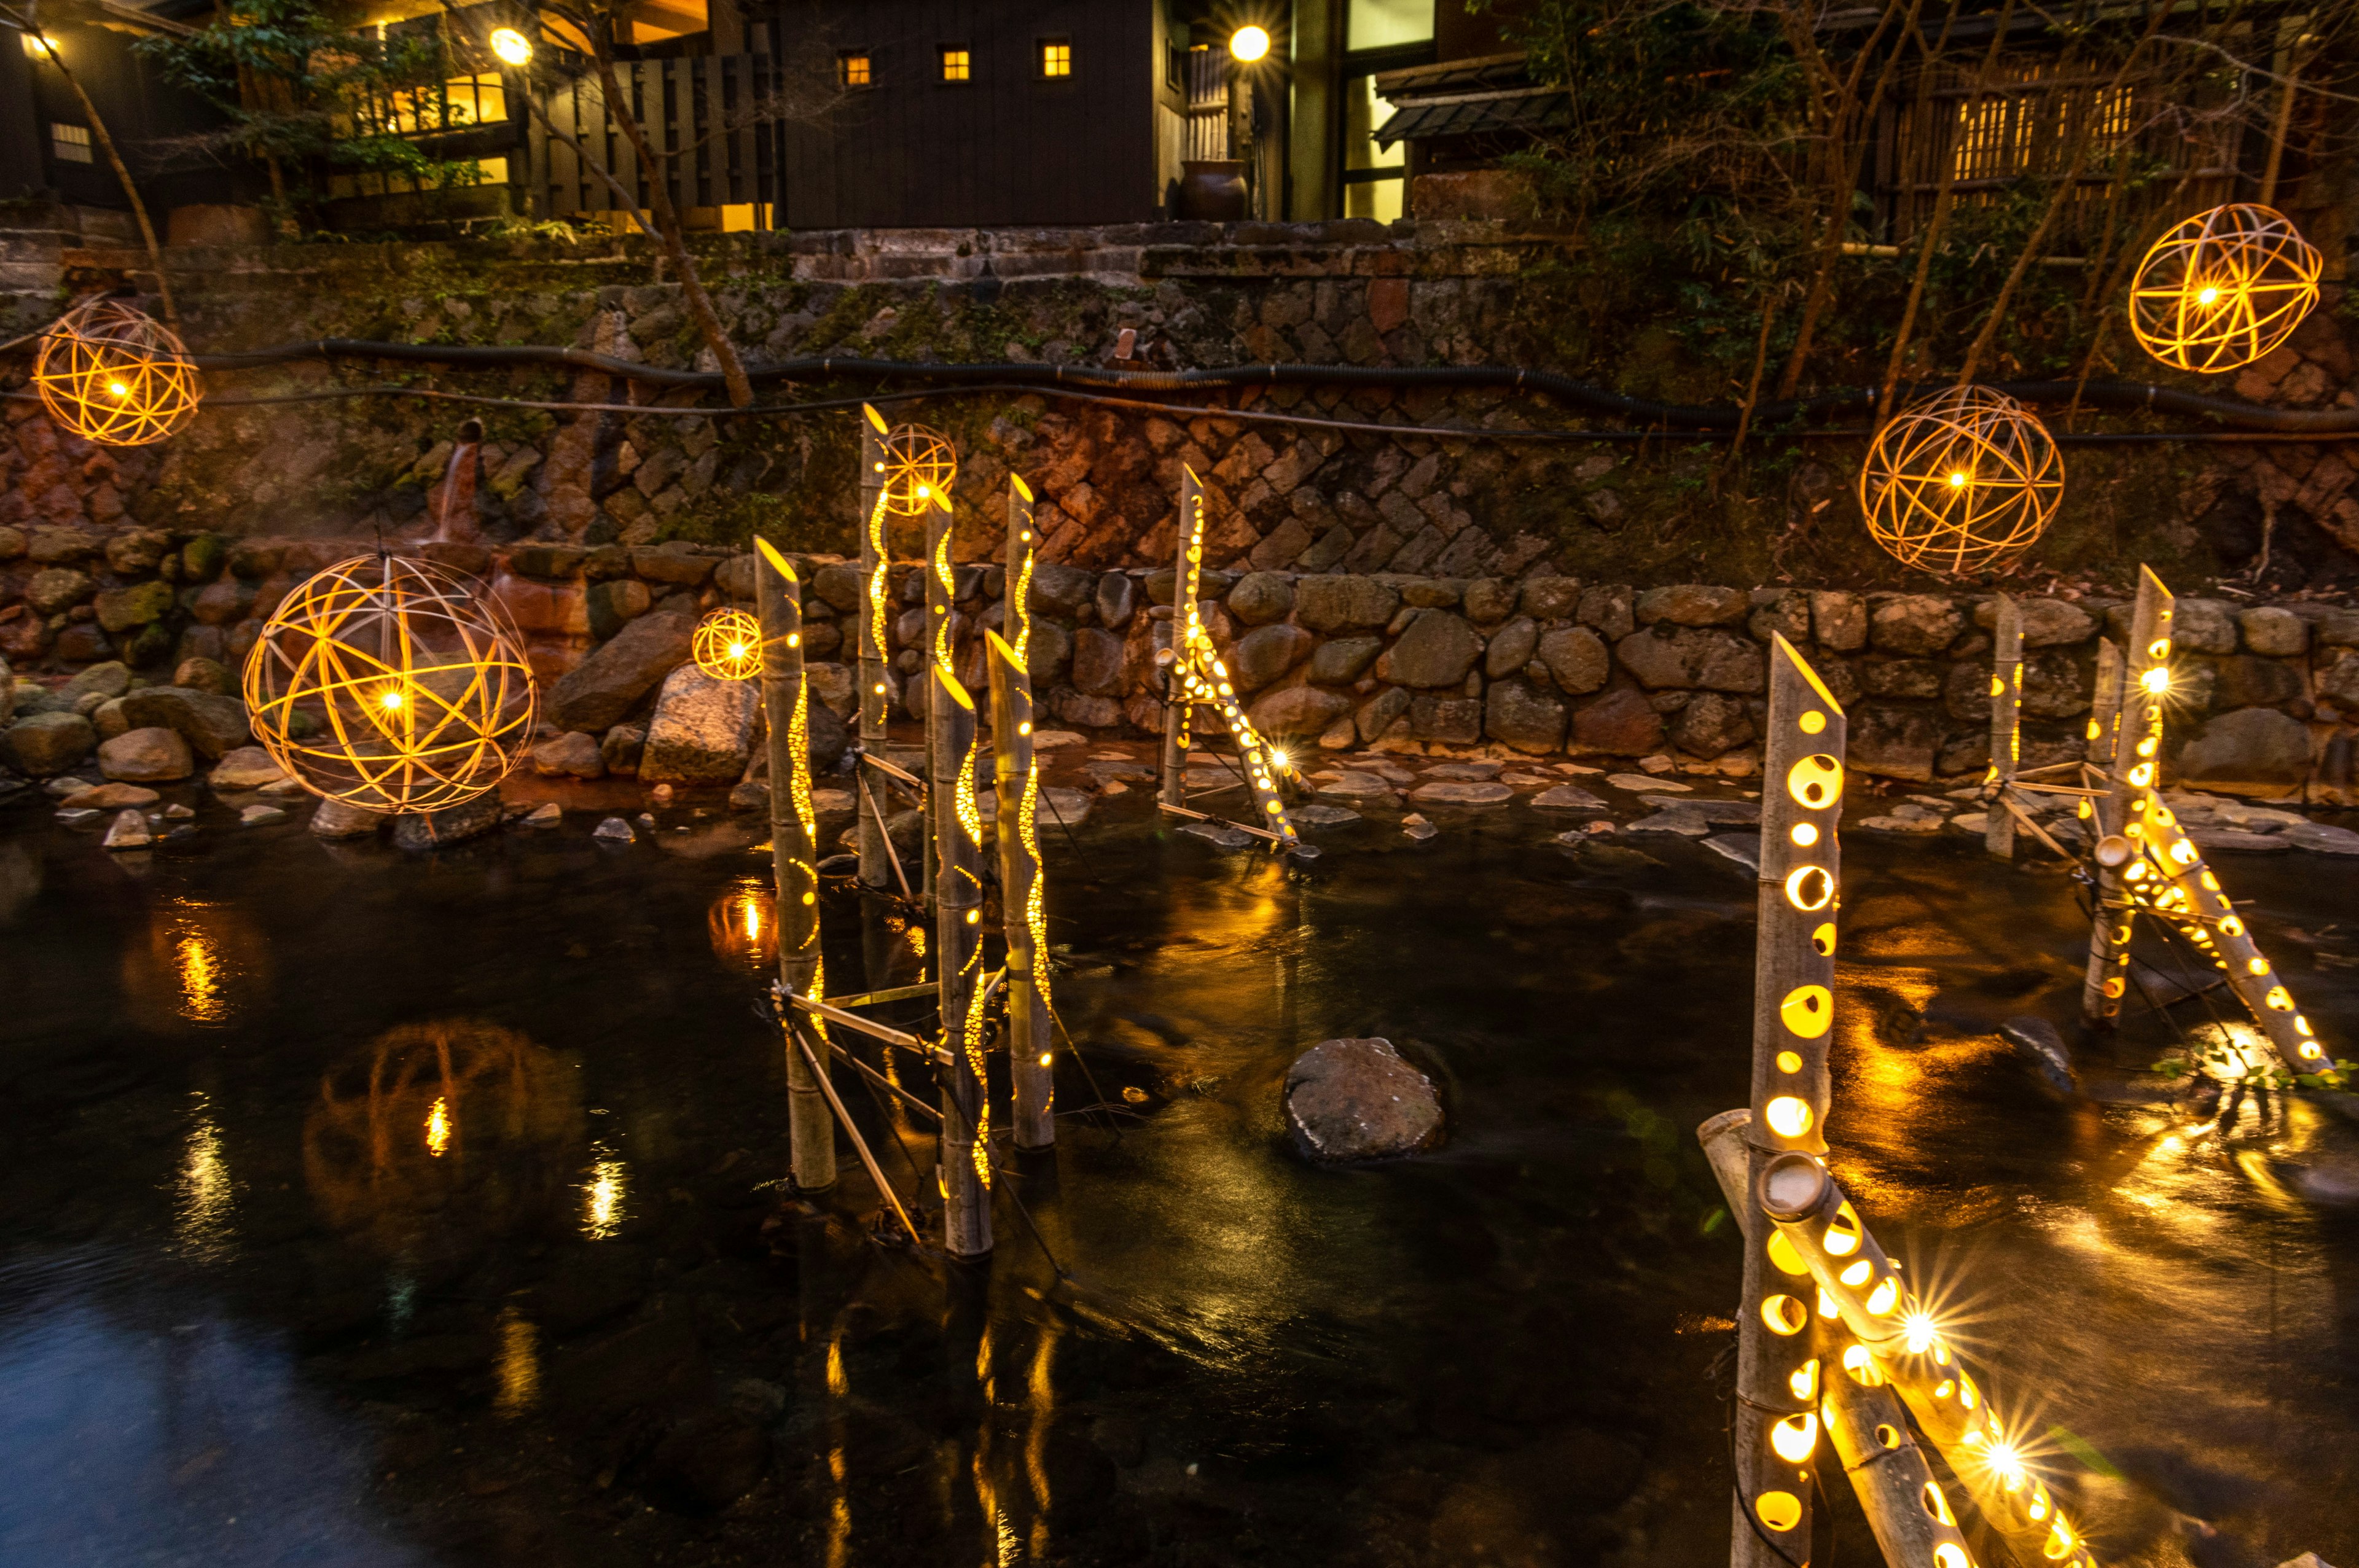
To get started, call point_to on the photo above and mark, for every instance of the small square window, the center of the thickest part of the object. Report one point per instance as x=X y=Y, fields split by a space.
x=852 y=70
x=958 y=65
x=1056 y=57
x=71 y=143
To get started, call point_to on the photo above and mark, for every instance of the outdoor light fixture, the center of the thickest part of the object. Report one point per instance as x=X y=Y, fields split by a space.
x=728 y=645
x=115 y=375
x=918 y=465
x=1961 y=481
x=511 y=46
x=1248 y=44
x=2224 y=288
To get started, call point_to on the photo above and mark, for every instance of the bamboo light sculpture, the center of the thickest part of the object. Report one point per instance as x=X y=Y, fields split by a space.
x=114 y=374
x=391 y=684
x=876 y=848
x=1032 y=1060
x=1961 y=481
x=1196 y=676
x=918 y=466
x=2224 y=288
x=727 y=644
x=2131 y=770
x=2006 y=727
x=958 y=963
x=1779 y=1344
x=794 y=853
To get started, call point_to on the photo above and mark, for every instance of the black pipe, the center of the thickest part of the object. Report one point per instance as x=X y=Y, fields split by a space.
x=2115 y=395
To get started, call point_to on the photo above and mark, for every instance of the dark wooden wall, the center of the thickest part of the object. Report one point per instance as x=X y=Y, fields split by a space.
x=143 y=112
x=1006 y=147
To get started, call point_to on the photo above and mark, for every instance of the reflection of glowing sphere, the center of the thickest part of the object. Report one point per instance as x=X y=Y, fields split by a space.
x=444 y=1130
x=391 y=684
x=115 y=375
x=2224 y=288
x=728 y=645
x=1960 y=481
x=918 y=465
x=744 y=924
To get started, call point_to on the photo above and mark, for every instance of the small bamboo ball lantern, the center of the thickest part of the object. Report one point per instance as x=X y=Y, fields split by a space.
x=391 y=684
x=918 y=464
x=2224 y=288
x=728 y=645
x=1960 y=481
x=115 y=375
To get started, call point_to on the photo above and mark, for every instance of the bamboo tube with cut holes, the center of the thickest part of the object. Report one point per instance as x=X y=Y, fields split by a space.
x=2005 y=725
x=876 y=862
x=965 y=1162
x=2131 y=770
x=1031 y=1060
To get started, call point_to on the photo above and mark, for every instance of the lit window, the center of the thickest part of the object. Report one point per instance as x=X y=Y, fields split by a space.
x=1056 y=57
x=852 y=71
x=957 y=65
x=71 y=143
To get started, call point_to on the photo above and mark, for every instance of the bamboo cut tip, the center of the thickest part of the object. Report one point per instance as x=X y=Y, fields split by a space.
x=874 y=419
x=1001 y=649
x=1782 y=649
x=777 y=562
x=950 y=683
x=1023 y=490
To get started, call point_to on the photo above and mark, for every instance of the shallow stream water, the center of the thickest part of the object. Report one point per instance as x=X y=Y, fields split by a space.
x=359 y=1208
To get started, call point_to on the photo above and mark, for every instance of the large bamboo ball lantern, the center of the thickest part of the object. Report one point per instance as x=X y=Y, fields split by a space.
x=391 y=684
x=918 y=464
x=728 y=645
x=2224 y=288
x=1961 y=481
x=115 y=375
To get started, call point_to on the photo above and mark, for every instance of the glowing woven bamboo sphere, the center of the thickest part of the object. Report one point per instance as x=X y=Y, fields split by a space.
x=918 y=464
x=391 y=684
x=728 y=645
x=115 y=375
x=2224 y=288
x=1960 y=481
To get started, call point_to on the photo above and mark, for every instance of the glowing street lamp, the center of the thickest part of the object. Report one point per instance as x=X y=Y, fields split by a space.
x=1248 y=45
x=512 y=47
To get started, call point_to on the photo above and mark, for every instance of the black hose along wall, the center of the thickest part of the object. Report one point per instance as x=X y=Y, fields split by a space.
x=2117 y=395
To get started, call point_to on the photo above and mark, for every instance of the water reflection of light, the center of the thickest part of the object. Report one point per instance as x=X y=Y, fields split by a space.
x=437 y=1127
x=202 y=964
x=742 y=924
x=519 y=1361
x=201 y=988
x=603 y=1192
x=202 y=1223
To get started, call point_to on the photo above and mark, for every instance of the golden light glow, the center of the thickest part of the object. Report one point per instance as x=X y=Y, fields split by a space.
x=512 y=47
x=1864 y=1370
x=1809 y=888
x=2224 y=288
x=201 y=1221
x=1804 y=1381
x=1915 y=489
x=1815 y=781
x=1785 y=1315
x=1885 y=1297
x=1805 y=834
x=1808 y=1012
x=603 y=1196
x=1249 y=44
x=1812 y=721
x=728 y=645
x=115 y=375
x=1921 y=1330
x=518 y=1368
x=918 y=465
x=1949 y=1554
x=437 y=1127
x=1794 y=1437
x=391 y=684
x=202 y=1000
x=2155 y=680
x=1788 y=1117
x=1787 y=1062
x=1778 y=1511
x=1781 y=1253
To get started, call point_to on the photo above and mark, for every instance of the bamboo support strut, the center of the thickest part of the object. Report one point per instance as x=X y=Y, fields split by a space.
x=884 y=834
x=2005 y=725
x=2132 y=762
x=1196 y=815
x=881 y=1081
x=794 y=829
x=877 y=999
x=875 y=1172
x=876 y=846
x=854 y=1021
x=894 y=771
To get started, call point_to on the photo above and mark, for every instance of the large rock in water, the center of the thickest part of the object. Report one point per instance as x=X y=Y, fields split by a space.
x=1356 y=1099
x=2253 y=750
x=703 y=730
x=49 y=743
x=596 y=693
x=452 y=825
x=145 y=756
x=215 y=725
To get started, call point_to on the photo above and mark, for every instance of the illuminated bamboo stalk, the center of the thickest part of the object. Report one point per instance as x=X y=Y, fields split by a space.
x=1032 y=1060
x=1189 y=556
x=2005 y=725
x=1778 y=1371
x=794 y=838
x=2104 y=713
x=1820 y=1235
x=1865 y=1419
x=874 y=861
x=2137 y=740
x=958 y=961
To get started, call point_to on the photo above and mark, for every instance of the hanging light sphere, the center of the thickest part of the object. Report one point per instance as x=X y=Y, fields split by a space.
x=115 y=375
x=918 y=464
x=728 y=645
x=391 y=684
x=1961 y=481
x=2224 y=288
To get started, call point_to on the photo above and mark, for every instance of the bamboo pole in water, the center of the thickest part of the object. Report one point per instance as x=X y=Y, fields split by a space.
x=2005 y=725
x=2131 y=770
x=875 y=858
x=1863 y=1416
x=1779 y=1348
x=958 y=963
x=1177 y=709
x=794 y=824
x=1032 y=1060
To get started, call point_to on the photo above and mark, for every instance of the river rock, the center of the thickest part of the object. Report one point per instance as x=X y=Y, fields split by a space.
x=620 y=748
x=1621 y=723
x=1436 y=651
x=259 y=814
x=2037 y=1042
x=110 y=797
x=1316 y=816
x=1514 y=714
x=1693 y=657
x=1418 y=828
x=1568 y=798
x=248 y=767
x=2252 y=750
x=342 y=819
x=1266 y=653
x=1342 y=660
x=572 y=755
x=50 y=742
x=597 y=692
x=208 y=675
x=703 y=731
x=152 y=754
x=1916 y=623
x=1718 y=813
x=2237 y=839
x=129 y=832
x=1462 y=792
x=1117 y=596
x=214 y=726
x=2323 y=838
x=548 y=813
x=2279 y=634
x=1712 y=724
x=1576 y=659
x=1299 y=711
x=1261 y=598
x=1739 y=849
x=452 y=825
x=108 y=680
x=1356 y=1099
x=1219 y=834
x=1681 y=819
x=614 y=830
x=1097 y=662
x=1512 y=647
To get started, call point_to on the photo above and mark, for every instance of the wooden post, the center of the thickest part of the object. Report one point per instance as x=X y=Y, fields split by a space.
x=794 y=828
x=1862 y=1415
x=2104 y=711
x=2132 y=770
x=1031 y=1062
x=942 y=654
x=958 y=964
x=1779 y=1374
x=875 y=581
x=1188 y=565
x=2005 y=725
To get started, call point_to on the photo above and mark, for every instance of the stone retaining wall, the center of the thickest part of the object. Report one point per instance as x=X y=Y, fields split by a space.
x=2267 y=698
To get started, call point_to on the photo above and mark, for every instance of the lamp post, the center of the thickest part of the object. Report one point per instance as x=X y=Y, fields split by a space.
x=1248 y=47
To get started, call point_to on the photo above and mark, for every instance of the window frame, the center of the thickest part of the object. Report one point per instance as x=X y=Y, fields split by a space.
x=1041 y=44
x=942 y=53
x=866 y=59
